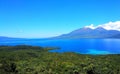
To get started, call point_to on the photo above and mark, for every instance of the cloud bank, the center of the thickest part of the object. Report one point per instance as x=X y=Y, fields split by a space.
x=108 y=26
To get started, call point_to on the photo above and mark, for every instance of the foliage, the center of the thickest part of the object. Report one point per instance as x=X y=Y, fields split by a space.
x=25 y=59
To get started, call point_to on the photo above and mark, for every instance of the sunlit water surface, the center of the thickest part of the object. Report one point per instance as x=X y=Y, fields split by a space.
x=83 y=46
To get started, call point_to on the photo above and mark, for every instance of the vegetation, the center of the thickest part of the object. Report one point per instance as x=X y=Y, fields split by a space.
x=24 y=59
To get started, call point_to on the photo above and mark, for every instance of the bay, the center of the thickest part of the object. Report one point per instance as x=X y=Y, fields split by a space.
x=82 y=46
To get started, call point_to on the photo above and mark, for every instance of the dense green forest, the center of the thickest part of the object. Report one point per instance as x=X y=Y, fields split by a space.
x=24 y=59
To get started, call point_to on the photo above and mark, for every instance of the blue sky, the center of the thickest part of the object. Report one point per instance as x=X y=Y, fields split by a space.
x=47 y=18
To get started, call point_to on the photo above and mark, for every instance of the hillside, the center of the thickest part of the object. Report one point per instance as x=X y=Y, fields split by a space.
x=24 y=59
x=91 y=33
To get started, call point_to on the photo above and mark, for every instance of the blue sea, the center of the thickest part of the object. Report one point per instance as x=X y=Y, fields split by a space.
x=82 y=46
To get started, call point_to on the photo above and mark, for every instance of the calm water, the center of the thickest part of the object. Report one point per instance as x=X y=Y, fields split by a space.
x=84 y=46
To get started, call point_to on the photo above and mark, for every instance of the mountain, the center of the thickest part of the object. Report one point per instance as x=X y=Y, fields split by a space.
x=86 y=32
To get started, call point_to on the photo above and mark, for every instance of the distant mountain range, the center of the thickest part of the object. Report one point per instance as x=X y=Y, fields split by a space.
x=3 y=38
x=86 y=32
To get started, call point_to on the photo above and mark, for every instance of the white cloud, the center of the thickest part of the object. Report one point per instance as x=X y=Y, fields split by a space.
x=90 y=26
x=107 y=26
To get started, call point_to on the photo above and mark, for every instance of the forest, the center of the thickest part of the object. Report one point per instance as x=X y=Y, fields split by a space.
x=25 y=59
